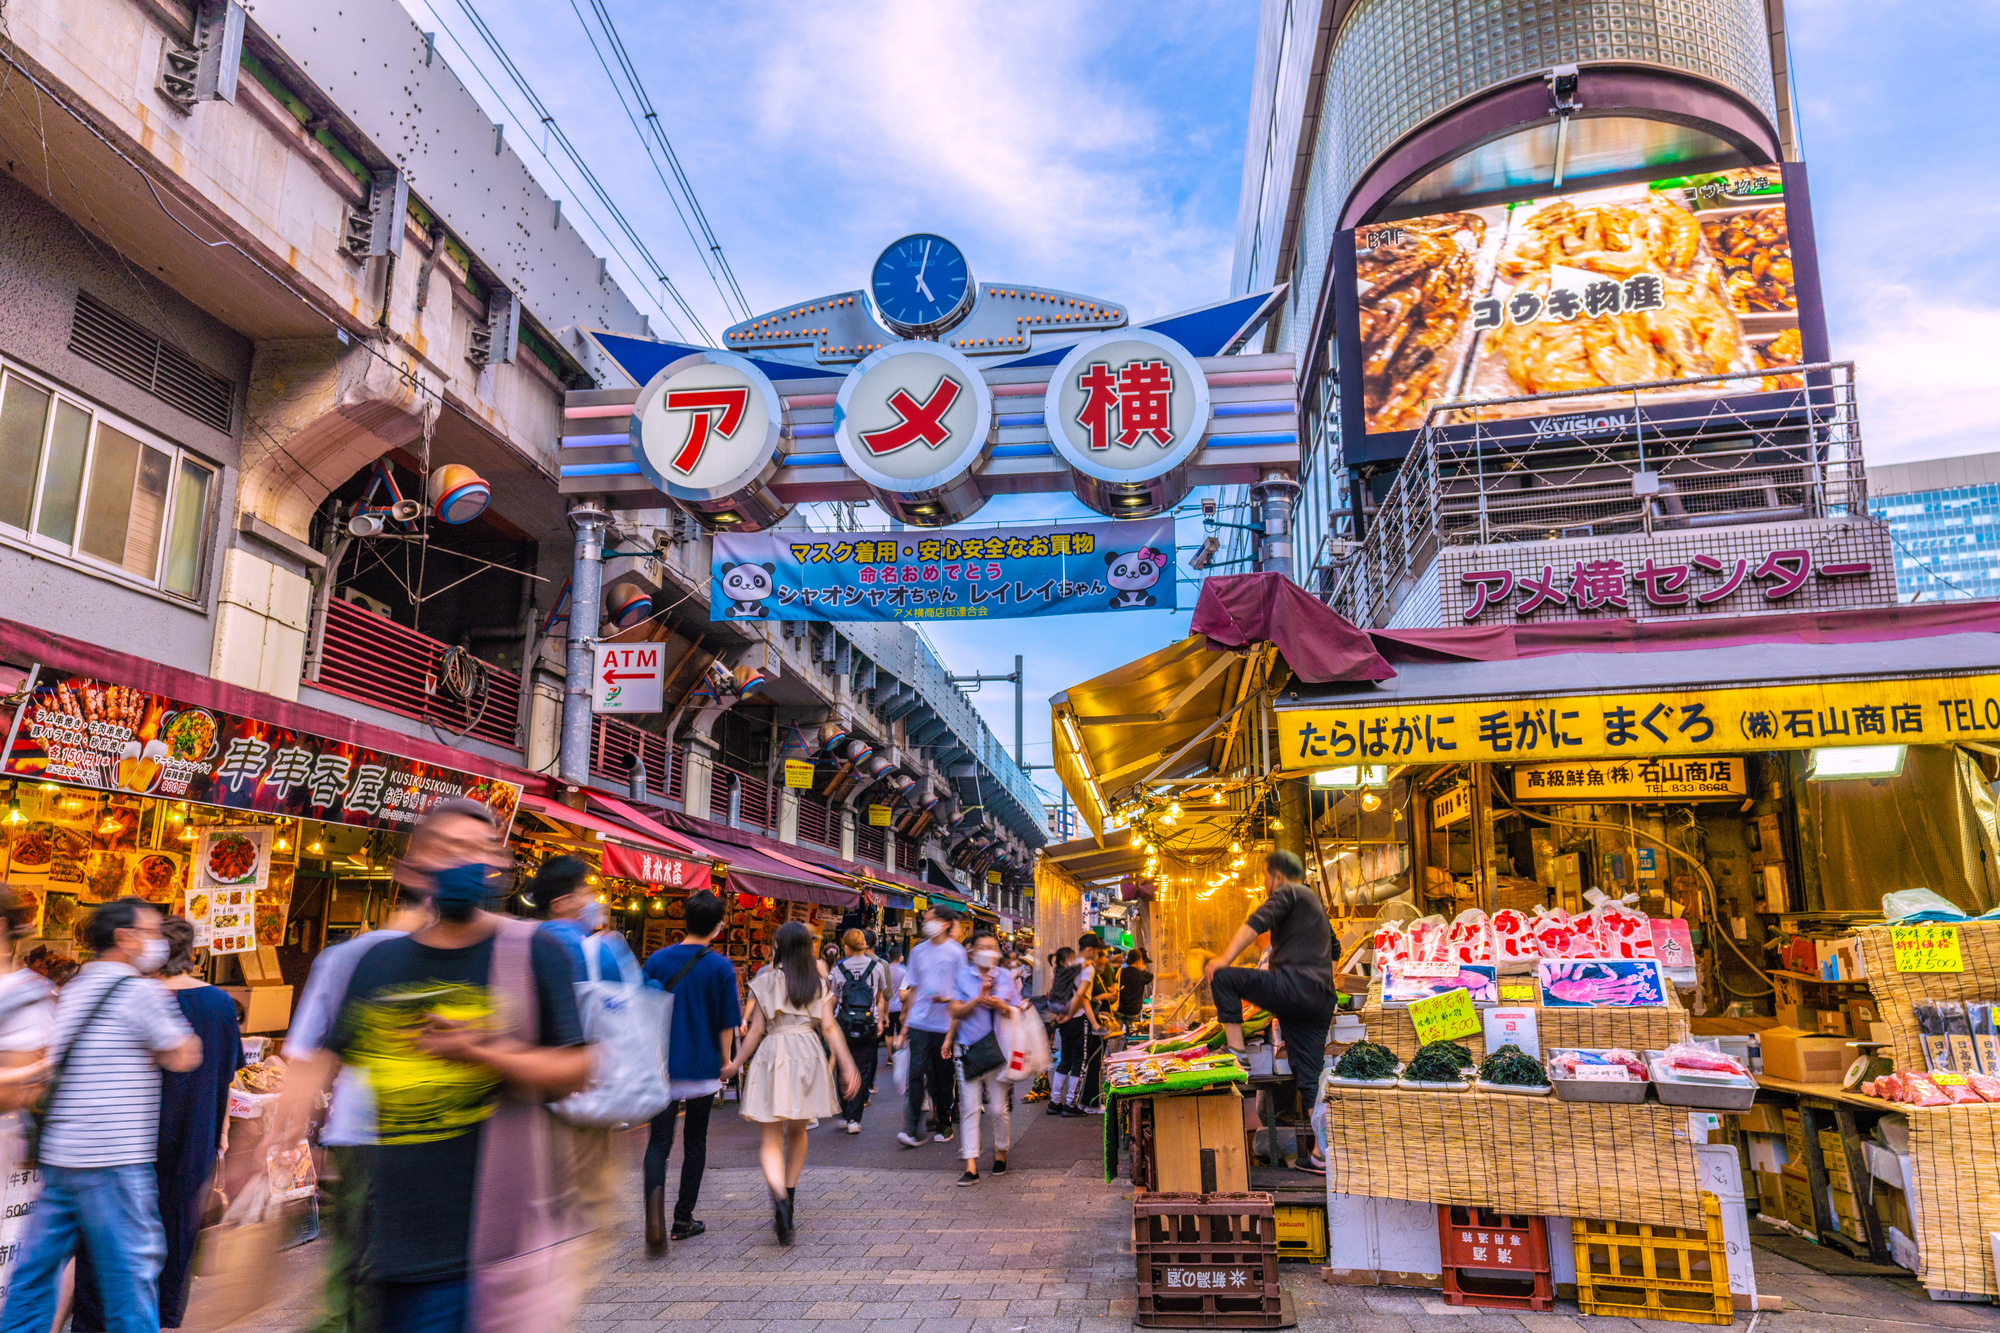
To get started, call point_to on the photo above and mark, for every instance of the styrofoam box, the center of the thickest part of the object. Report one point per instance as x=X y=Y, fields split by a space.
x=1768 y=1152
x=1719 y=1171
x=1382 y=1235
x=1721 y=1174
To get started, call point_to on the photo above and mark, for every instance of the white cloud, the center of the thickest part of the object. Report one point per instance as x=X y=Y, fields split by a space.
x=1926 y=374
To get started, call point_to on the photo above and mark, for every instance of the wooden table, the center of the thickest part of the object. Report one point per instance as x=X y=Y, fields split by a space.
x=1830 y=1102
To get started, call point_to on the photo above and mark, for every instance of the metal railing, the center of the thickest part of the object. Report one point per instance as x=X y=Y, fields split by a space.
x=370 y=659
x=1779 y=447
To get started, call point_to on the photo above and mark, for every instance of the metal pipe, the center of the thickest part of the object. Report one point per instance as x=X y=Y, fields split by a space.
x=586 y=589
x=1020 y=751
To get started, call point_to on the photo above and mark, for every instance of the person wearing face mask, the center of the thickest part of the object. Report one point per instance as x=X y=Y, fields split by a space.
x=464 y=1029
x=116 y=1029
x=930 y=981
x=984 y=991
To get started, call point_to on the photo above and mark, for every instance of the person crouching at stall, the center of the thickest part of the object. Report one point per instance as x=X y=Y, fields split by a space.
x=1297 y=989
x=786 y=1078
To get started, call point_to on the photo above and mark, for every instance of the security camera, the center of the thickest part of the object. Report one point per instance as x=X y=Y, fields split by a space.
x=1202 y=558
x=1208 y=506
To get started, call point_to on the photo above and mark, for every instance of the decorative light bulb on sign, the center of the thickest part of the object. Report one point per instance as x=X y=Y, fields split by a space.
x=914 y=422
x=1127 y=410
x=706 y=430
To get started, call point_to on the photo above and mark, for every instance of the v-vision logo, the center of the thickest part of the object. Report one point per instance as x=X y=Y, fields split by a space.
x=1602 y=424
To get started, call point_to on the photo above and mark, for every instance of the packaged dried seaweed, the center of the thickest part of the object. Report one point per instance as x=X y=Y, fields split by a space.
x=1366 y=1060
x=1513 y=1067
x=1439 y=1062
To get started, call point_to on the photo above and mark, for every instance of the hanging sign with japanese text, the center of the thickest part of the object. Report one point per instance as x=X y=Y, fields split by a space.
x=799 y=773
x=1452 y=805
x=878 y=816
x=1632 y=780
x=230 y=866
x=1129 y=405
x=117 y=738
x=1033 y=570
x=649 y=867
x=1701 y=721
x=1674 y=575
x=1929 y=946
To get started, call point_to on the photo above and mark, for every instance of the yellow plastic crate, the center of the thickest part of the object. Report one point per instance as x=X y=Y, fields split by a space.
x=1649 y=1272
x=1302 y=1232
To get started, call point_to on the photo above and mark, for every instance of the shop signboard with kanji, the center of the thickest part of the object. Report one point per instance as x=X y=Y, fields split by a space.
x=1644 y=283
x=972 y=573
x=1633 y=780
x=649 y=867
x=94 y=733
x=1707 y=722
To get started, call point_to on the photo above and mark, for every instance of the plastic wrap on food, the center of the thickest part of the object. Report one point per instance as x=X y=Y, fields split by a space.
x=1986 y=1085
x=1694 y=1058
x=1598 y=1064
x=1471 y=938
x=1560 y=935
x=1625 y=932
x=1514 y=941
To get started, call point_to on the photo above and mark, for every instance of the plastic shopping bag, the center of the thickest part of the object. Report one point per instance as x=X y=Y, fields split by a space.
x=1025 y=1043
x=899 y=1066
x=626 y=1024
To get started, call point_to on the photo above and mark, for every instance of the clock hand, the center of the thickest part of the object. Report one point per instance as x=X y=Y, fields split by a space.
x=924 y=287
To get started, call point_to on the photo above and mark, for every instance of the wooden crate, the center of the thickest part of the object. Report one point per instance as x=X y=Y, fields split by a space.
x=1198 y=1145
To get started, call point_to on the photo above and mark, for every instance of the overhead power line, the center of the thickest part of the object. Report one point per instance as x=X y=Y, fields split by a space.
x=692 y=217
x=547 y=120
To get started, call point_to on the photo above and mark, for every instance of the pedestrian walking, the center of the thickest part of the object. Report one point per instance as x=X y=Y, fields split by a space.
x=984 y=993
x=194 y=1107
x=349 y=1127
x=116 y=1029
x=929 y=982
x=1070 y=1008
x=1296 y=989
x=861 y=997
x=897 y=972
x=701 y=1042
x=1135 y=982
x=464 y=1030
x=787 y=1079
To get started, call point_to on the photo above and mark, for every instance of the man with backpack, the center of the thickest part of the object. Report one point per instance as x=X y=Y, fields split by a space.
x=702 y=1039
x=861 y=991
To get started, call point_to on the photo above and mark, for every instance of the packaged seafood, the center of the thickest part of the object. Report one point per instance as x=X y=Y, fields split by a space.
x=1471 y=937
x=1514 y=941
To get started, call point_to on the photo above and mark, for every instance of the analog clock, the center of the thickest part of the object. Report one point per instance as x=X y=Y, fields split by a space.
x=922 y=285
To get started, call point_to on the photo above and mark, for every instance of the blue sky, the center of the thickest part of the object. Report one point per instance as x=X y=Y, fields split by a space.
x=1098 y=147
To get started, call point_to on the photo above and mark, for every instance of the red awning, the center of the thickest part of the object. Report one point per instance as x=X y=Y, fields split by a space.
x=752 y=859
x=605 y=828
x=27 y=644
x=1317 y=643
x=648 y=825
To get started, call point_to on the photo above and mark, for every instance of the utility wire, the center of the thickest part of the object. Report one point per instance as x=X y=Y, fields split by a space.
x=547 y=120
x=706 y=245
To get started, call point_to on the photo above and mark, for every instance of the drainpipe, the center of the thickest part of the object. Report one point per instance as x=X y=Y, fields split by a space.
x=1275 y=497
x=586 y=590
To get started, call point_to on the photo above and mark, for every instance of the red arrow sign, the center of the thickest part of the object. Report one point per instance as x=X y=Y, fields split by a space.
x=612 y=677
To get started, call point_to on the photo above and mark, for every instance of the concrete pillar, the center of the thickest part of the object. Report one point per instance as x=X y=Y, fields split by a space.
x=847 y=834
x=788 y=814
x=695 y=789
x=586 y=573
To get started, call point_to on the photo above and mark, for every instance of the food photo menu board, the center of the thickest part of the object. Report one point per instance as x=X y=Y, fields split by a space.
x=230 y=866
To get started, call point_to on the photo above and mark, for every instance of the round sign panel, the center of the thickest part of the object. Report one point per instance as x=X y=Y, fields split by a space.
x=707 y=427
x=913 y=418
x=1127 y=406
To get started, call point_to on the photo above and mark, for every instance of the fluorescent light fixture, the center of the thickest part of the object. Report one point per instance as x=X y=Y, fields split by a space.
x=1856 y=761
x=1359 y=775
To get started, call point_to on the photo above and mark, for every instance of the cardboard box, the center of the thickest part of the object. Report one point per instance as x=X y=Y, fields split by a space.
x=1761 y=1118
x=1877 y=1032
x=1805 y=1057
x=1892 y=1209
x=1768 y=1152
x=1770 y=1194
x=1848 y=962
x=1795 y=1138
x=1798 y=1017
x=1797 y=1194
x=1834 y=1022
x=260 y=967
x=266 y=1008
x=1861 y=1011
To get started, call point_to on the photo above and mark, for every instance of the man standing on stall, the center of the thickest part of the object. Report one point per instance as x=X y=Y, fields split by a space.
x=1297 y=989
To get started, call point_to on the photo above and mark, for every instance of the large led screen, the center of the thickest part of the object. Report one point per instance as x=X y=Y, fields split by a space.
x=1610 y=287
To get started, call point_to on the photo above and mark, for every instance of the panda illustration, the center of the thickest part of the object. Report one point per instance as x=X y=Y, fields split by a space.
x=747 y=587
x=1132 y=574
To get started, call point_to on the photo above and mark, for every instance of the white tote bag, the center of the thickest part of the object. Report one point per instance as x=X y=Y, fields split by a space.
x=1025 y=1043
x=625 y=1022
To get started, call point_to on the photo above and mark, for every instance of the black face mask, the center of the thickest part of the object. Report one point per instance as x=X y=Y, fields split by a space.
x=461 y=891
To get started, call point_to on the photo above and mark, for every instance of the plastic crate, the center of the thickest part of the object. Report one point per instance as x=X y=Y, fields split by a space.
x=1301 y=1231
x=1654 y=1272
x=1208 y=1261
x=1494 y=1260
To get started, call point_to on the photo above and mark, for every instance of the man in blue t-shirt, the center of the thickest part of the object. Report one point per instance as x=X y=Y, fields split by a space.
x=702 y=1039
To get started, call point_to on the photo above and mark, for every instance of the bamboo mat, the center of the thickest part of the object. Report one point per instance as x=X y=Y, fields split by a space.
x=1896 y=992
x=1638 y=1030
x=1531 y=1155
x=1955 y=1166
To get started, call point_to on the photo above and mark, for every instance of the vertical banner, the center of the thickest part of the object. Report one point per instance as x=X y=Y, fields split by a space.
x=1053 y=569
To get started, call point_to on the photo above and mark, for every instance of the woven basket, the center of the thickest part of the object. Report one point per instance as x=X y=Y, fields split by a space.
x=1634 y=1029
x=1896 y=992
x=1531 y=1155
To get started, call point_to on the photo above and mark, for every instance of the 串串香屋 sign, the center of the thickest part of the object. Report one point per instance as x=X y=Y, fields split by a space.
x=1031 y=570
x=1720 y=720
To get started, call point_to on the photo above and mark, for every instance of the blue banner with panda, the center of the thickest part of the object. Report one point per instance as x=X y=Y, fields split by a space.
x=1054 y=569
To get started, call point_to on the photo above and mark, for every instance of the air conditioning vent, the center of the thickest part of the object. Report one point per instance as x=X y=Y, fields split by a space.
x=106 y=338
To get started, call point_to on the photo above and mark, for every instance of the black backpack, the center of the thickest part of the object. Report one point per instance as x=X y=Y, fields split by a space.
x=856 y=1014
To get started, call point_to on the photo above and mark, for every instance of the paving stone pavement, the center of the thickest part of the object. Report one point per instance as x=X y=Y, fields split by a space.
x=1045 y=1248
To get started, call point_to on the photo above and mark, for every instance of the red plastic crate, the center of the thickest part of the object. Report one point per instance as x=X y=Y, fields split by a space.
x=1494 y=1260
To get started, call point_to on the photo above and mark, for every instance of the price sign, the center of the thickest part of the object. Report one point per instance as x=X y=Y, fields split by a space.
x=1602 y=1074
x=1445 y=1017
x=1944 y=1080
x=1517 y=992
x=798 y=773
x=1428 y=970
x=1929 y=947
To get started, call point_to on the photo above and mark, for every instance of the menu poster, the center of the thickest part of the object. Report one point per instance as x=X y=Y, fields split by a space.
x=230 y=866
x=117 y=738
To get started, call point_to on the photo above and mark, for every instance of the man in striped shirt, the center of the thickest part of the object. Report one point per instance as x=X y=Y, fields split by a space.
x=116 y=1029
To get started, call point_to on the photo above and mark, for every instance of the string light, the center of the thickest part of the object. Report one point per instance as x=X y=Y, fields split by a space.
x=314 y=849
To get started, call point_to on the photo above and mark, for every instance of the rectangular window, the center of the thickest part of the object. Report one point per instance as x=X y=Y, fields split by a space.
x=76 y=481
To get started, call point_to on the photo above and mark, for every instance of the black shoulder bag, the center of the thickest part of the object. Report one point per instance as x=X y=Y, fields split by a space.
x=37 y=1117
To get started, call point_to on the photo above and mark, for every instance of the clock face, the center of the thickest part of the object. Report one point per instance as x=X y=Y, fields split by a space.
x=920 y=282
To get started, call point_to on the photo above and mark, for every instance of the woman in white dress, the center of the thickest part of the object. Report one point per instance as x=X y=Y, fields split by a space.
x=787 y=1078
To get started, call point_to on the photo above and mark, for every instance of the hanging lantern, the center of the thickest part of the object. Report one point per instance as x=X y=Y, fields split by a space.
x=626 y=605
x=458 y=494
x=749 y=680
x=858 y=751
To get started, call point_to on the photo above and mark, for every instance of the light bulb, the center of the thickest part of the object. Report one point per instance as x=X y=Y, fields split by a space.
x=315 y=846
x=1215 y=797
x=1235 y=846
x=1175 y=809
x=591 y=879
x=1370 y=801
x=1277 y=824
x=283 y=846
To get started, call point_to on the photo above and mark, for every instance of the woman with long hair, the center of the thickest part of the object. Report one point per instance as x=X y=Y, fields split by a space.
x=787 y=1080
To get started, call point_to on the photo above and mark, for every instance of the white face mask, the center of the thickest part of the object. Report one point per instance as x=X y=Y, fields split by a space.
x=986 y=958
x=592 y=915
x=152 y=956
x=933 y=929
